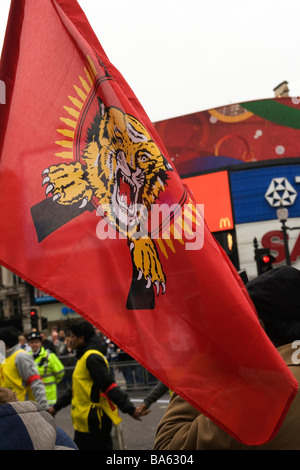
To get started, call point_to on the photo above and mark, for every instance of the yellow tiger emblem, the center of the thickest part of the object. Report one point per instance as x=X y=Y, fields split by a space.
x=124 y=170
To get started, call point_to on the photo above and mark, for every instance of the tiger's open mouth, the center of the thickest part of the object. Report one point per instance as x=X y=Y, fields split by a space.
x=126 y=194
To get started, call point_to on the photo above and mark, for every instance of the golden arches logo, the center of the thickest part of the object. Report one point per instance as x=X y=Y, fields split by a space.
x=225 y=222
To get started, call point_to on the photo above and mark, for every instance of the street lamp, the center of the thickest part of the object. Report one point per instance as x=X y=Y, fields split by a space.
x=282 y=215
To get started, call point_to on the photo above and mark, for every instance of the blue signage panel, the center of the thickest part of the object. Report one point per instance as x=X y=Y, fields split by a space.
x=41 y=298
x=258 y=193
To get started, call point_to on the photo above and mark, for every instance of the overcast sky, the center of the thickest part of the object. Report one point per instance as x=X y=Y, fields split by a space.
x=181 y=57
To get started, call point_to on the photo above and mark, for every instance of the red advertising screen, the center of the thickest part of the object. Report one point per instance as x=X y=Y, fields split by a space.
x=213 y=191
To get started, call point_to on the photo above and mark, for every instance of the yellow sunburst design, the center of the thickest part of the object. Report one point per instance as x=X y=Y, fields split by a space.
x=73 y=111
x=182 y=224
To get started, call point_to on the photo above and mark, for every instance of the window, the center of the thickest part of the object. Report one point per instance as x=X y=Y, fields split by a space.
x=17 y=280
x=17 y=307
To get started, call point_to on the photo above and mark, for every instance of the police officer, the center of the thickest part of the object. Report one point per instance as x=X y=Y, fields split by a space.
x=48 y=365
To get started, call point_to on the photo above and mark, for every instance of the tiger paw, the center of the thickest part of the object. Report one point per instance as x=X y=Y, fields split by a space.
x=147 y=263
x=67 y=184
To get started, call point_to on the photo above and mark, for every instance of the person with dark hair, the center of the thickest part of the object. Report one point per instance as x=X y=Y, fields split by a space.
x=47 y=344
x=18 y=371
x=95 y=396
x=276 y=297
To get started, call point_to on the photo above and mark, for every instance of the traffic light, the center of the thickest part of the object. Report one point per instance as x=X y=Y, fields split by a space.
x=34 y=318
x=44 y=323
x=264 y=260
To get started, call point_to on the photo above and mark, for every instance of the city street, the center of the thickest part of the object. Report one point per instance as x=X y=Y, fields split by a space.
x=134 y=435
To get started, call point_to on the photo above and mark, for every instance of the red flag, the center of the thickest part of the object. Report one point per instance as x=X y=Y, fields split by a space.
x=82 y=176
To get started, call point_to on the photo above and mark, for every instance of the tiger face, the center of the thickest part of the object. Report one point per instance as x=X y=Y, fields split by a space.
x=124 y=167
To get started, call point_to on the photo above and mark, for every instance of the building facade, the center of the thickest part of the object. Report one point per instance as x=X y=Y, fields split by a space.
x=14 y=299
x=18 y=299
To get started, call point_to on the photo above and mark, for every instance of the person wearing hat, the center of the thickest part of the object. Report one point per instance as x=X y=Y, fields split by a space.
x=276 y=297
x=48 y=365
x=18 y=371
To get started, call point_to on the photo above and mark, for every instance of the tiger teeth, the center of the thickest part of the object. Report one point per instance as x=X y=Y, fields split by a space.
x=127 y=180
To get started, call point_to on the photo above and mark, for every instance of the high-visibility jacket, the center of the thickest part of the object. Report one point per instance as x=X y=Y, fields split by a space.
x=81 y=397
x=10 y=377
x=51 y=370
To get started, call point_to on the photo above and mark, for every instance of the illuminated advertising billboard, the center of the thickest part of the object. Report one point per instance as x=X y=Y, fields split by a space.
x=213 y=191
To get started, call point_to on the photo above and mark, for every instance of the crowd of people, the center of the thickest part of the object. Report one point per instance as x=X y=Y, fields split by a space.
x=31 y=368
x=58 y=342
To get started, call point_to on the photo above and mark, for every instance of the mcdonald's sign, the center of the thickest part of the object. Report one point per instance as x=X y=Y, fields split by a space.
x=225 y=223
x=213 y=191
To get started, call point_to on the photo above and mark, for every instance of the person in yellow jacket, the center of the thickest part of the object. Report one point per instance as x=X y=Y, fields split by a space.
x=48 y=365
x=95 y=397
x=18 y=371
